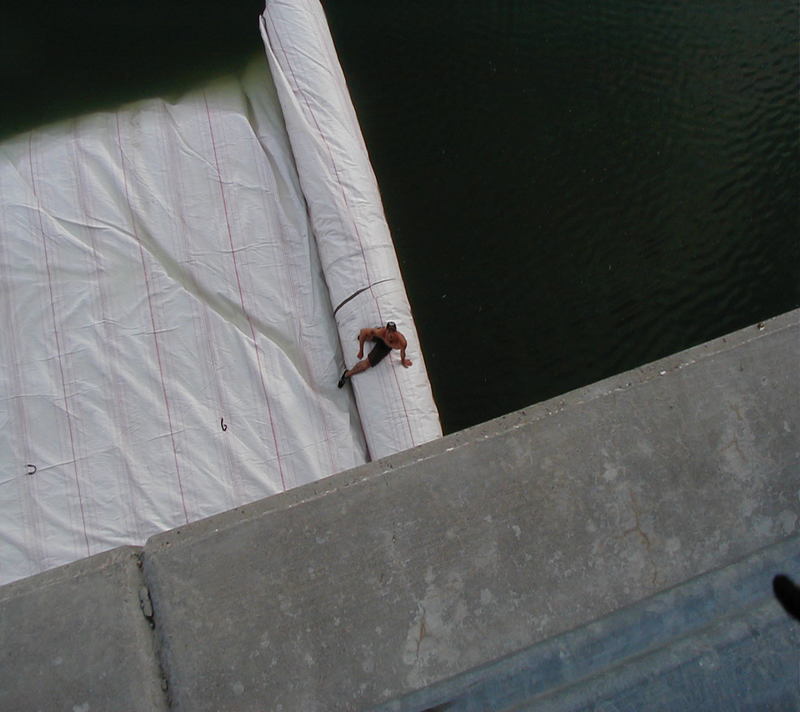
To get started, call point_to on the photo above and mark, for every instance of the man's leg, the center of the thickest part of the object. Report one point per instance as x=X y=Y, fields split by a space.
x=360 y=367
x=378 y=353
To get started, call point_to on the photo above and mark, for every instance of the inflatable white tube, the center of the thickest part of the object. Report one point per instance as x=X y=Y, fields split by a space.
x=356 y=250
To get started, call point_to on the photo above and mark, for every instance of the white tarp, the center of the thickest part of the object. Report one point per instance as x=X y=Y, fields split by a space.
x=169 y=349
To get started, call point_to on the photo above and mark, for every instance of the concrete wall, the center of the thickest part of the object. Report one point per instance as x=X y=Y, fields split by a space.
x=382 y=580
x=75 y=639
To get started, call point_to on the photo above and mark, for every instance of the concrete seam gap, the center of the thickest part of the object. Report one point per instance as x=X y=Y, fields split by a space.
x=148 y=611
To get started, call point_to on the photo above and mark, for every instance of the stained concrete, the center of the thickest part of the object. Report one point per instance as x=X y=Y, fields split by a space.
x=382 y=580
x=718 y=641
x=75 y=639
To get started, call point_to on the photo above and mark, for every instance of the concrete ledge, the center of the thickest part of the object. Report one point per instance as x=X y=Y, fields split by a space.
x=75 y=639
x=382 y=580
x=789 y=348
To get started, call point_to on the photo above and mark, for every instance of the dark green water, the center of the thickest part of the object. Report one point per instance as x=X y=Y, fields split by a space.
x=574 y=188
x=577 y=188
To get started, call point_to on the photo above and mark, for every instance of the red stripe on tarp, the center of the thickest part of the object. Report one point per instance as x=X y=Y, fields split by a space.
x=152 y=322
x=58 y=345
x=241 y=296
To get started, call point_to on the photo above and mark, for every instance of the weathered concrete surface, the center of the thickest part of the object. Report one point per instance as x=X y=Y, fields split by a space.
x=376 y=582
x=721 y=641
x=746 y=663
x=75 y=639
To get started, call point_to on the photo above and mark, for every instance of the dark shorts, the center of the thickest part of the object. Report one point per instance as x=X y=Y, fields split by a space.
x=378 y=352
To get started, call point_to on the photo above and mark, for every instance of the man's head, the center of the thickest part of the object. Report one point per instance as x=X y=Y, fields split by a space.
x=391 y=326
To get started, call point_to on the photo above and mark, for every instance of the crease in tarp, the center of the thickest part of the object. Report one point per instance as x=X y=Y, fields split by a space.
x=224 y=307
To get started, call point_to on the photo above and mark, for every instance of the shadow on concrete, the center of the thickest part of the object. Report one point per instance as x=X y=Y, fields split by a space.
x=788 y=594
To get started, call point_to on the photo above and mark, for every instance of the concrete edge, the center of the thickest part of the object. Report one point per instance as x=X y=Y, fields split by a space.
x=340 y=482
x=72 y=570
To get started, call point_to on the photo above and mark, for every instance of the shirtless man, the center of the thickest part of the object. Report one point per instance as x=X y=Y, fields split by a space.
x=386 y=338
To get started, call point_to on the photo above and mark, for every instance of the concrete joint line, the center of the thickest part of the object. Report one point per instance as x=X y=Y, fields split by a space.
x=148 y=611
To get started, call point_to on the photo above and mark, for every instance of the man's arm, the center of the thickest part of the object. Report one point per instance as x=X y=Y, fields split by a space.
x=363 y=335
x=405 y=361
